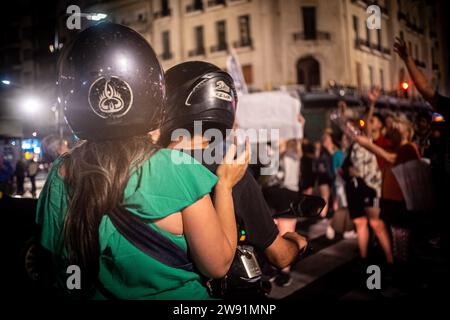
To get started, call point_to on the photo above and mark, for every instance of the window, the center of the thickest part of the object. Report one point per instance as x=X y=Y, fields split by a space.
x=379 y=39
x=308 y=72
x=368 y=41
x=221 y=36
x=244 y=31
x=162 y=9
x=199 y=42
x=196 y=5
x=212 y=3
x=356 y=27
x=166 y=45
x=381 y=79
x=309 y=22
x=416 y=52
x=165 y=10
x=247 y=71
x=358 y=76
x=371 y=76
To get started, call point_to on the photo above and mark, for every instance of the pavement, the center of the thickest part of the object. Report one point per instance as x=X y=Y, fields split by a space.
x=333 y=272
x=327 y=255
x=40 y=181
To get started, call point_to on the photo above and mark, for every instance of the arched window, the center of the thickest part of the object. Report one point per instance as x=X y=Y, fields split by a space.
x=308 y=72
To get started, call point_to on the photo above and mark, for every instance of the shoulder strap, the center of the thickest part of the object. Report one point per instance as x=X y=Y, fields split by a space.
x=148 y=240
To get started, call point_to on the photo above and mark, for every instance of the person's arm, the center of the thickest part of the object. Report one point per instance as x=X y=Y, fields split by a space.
x=211 y=231
x=419 y=79
x=209 y=244
x=226 y=173
x=378 y=151
x=373 y=95
x=284 y=249
x=254 y=213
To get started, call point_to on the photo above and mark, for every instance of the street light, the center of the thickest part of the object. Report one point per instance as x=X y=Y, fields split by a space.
x=405 y=86
x=31 y=104
x=7 y=82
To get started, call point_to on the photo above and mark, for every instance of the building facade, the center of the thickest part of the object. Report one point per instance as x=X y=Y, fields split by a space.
x=311 y=43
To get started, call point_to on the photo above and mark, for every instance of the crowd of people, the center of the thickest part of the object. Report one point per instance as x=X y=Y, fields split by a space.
x=387 y=174
x=12 y=178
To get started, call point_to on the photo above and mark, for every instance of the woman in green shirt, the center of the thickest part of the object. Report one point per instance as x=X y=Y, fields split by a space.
x=118 y=165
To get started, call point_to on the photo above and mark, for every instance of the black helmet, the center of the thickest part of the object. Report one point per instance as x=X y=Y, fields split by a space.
x=111 y=83
x=198 y=91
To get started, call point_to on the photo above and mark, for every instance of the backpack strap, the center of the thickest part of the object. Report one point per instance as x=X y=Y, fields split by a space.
x=148 y=240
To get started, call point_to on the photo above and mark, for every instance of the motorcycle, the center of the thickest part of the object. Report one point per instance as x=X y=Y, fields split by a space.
x=244 y=279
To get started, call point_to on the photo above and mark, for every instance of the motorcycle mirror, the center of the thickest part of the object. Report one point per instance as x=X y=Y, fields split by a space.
x=305 y=206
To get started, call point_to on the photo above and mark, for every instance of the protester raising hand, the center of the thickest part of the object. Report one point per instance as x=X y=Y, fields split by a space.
x=401 y=49
x=373 y=95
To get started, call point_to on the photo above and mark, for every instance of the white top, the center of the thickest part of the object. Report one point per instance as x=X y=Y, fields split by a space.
x=291 y=168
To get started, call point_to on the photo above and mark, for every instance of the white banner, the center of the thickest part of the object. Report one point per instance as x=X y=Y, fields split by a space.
x=270 y=110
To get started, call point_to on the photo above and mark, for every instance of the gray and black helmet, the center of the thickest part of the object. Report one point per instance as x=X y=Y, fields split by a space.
x=198 y=91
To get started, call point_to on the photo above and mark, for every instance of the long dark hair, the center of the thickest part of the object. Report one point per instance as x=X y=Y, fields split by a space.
x=96 y=174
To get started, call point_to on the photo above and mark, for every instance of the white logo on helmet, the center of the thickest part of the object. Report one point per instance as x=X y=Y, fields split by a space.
x=222 y=91
x=110 y=98
x=187 y=103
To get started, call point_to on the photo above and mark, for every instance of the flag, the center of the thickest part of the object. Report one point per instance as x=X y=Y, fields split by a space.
x=235 y=70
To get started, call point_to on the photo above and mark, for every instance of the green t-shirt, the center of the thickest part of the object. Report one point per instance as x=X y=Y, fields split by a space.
x=166 y=183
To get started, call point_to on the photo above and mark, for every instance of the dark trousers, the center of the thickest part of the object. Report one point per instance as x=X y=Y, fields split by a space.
x=20 y=181
x=33 y=184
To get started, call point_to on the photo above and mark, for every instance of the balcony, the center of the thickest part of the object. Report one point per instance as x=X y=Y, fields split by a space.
x=215 y=3
x=232 y=2
x=219 y=47
x=386 y=51
x=166 y=55
x=319 y=35
x=365 y=45
x=194 y=7
x=162 y=14
x=361 y=42
x=200 y=51
x=248 y=43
